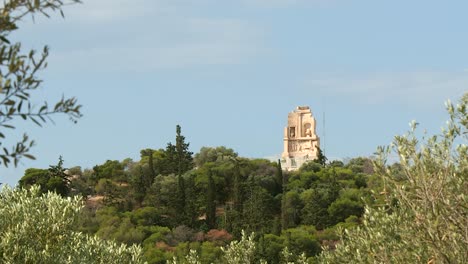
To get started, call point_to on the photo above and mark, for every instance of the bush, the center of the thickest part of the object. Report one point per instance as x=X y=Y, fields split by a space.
x=425 y=216
x=40 y=229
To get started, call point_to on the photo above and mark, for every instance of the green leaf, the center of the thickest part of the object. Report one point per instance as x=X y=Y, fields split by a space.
x=5 y=160
x=4 y=39
x=29 y=156
x=35 y=121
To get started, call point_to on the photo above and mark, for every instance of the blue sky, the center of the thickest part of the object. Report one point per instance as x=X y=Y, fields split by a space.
x=229 y=72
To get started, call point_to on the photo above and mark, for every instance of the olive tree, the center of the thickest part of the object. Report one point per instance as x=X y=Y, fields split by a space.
x=19 y=80
x=425 y=218
x=237 y=252
x=40 y=228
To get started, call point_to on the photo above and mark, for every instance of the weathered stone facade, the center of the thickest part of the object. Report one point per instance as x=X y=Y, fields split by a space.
x=300 y=139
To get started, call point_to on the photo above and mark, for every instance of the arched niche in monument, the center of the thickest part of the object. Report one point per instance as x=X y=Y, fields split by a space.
x=307 y=130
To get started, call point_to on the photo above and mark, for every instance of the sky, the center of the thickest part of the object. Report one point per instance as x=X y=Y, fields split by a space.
x=230 y=71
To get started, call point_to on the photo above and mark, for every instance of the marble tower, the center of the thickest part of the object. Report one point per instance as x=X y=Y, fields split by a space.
x=300 y=139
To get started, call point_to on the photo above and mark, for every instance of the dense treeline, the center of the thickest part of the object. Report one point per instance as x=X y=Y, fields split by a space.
x=171 y=201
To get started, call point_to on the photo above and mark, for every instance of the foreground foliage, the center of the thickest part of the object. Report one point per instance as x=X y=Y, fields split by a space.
x=40 y=229
x=425 y=217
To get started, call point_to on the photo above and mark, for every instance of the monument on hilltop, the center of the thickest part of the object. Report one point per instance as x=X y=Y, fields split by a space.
x=300 y=139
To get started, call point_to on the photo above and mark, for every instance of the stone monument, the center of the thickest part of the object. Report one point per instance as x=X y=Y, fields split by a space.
x=300 y=139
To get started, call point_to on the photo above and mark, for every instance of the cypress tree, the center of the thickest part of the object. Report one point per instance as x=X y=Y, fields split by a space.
x=139 y=187
x=181 y=213
x=184 y=159
x=321 y=159
x=190 y=201
x=237 y=190
x=279 y=178
x=236 y=221
x=179 y=161
x=284 y=210
x=211 y=203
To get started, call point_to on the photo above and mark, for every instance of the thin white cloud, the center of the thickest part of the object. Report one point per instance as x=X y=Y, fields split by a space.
x=143 y=35
x=285 y=3
x=175 y=43
x=421 y=88
x=99 y=11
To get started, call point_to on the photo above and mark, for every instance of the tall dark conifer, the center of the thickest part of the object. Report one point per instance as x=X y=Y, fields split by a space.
x=321 y=159
x=236 y=222
x=279 y=178
x=237 y=192
x=139 y=186
x=211 y=203
x=191 y=206
x=184 y=159
x=58 y=179
x=284 y=210
x=181 y=212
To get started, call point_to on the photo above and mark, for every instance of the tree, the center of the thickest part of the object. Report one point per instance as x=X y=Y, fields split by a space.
x=181 y=200
x=209 y=154
x=425 y=216
x=317 y=200
x=111 y=169
x=55 y=179
x=180 y=160
x=33 y=176
x=39 y=228
x=152 y=172
x=237 y=199
x=242 y=251
x=284 y=208
x=210 y=203
x=258 y=210
x=279 y=177
x=191 y=205
x=343 y=208
x=140 y=186
x=184 y=160
x=237 y=252
x=321 y=159
x=18 y=77
x=361 y=165
x=58 y=181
